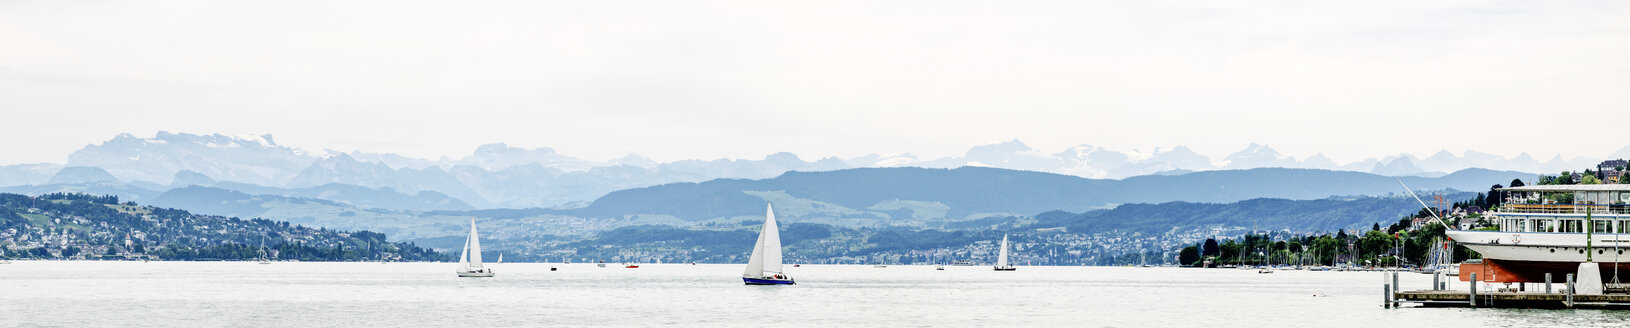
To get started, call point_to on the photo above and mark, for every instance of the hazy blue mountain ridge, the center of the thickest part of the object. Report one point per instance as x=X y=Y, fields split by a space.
x=502 y=176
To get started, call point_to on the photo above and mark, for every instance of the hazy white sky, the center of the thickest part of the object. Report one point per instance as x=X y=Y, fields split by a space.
x=684 y=79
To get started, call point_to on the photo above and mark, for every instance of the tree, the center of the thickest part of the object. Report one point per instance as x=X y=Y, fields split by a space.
x=1189 y=256
x=1376 y=227
x=1590 y=179
x=1210 y=248
x=1516 y=183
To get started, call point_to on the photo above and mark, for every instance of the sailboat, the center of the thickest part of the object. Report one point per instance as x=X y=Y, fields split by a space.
x=764 y=267
x=501 y=258
x=1001 y=257
x=470 y=262
x=263 y=259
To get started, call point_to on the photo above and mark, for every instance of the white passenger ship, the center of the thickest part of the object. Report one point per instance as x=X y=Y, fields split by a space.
x=1543 y=229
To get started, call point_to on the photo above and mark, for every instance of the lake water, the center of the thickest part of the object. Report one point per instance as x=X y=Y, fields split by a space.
x=172 y=294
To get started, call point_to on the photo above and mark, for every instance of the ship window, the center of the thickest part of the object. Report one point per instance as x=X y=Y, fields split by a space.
x=1570 y=226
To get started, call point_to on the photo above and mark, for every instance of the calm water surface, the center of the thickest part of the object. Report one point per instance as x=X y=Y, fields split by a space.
x=160 y=294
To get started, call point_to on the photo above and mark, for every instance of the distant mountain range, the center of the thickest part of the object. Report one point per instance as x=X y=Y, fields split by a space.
x=920 y=196
x=500 y=176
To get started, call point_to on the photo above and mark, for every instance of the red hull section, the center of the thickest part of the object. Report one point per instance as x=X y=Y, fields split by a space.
x=1531 y=271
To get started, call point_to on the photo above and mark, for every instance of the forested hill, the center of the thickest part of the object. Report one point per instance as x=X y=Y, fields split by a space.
x=80 y=226
x=957 y=193
x=1266 y=214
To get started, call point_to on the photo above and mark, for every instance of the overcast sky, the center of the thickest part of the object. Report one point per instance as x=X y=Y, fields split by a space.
x=680 y=79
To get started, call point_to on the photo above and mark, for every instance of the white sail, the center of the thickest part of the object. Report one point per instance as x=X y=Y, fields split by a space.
x=1001 y=257
x=767 y=252
x=474 y=248
x=464 y=257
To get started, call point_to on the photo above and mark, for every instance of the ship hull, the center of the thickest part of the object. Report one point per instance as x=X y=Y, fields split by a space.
x=1528 y=256
x=1492 y=270
x=767 y=281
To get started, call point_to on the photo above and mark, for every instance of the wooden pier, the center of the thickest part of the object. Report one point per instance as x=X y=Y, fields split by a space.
x=1558 y=298
x=1536 y=300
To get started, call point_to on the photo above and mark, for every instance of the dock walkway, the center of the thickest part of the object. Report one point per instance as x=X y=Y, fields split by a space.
x=1461 y=298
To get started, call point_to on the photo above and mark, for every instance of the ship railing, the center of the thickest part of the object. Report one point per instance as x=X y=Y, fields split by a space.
x=1565 y=208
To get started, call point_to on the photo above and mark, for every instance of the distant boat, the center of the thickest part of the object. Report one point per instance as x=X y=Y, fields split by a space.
x=1001 y=257
x=631 y=266
x=601 y=264
x=470 y=261
x=500 y=257
x=963 y=263
x=262 y=251
x=764 y=266
x=939 y=267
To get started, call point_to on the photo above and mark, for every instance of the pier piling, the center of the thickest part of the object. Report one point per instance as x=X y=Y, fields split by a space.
x=1569 y=285
x=1473 y=295
x=1386 y=296
x=1435 y=280
x=1547 y=282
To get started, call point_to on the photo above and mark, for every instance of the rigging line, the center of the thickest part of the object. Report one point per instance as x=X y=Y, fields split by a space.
x=1434 y=211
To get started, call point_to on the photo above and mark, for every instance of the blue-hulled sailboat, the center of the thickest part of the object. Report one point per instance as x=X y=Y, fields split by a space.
x=764 y=267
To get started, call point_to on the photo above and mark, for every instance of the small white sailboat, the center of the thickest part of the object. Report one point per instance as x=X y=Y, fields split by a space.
x=1001 y=257
x=500 y=258
x=470 y=262
x=764 y=266
x=263 y=259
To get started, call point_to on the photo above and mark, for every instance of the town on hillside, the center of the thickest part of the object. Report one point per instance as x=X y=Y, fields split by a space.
x=88 y=227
